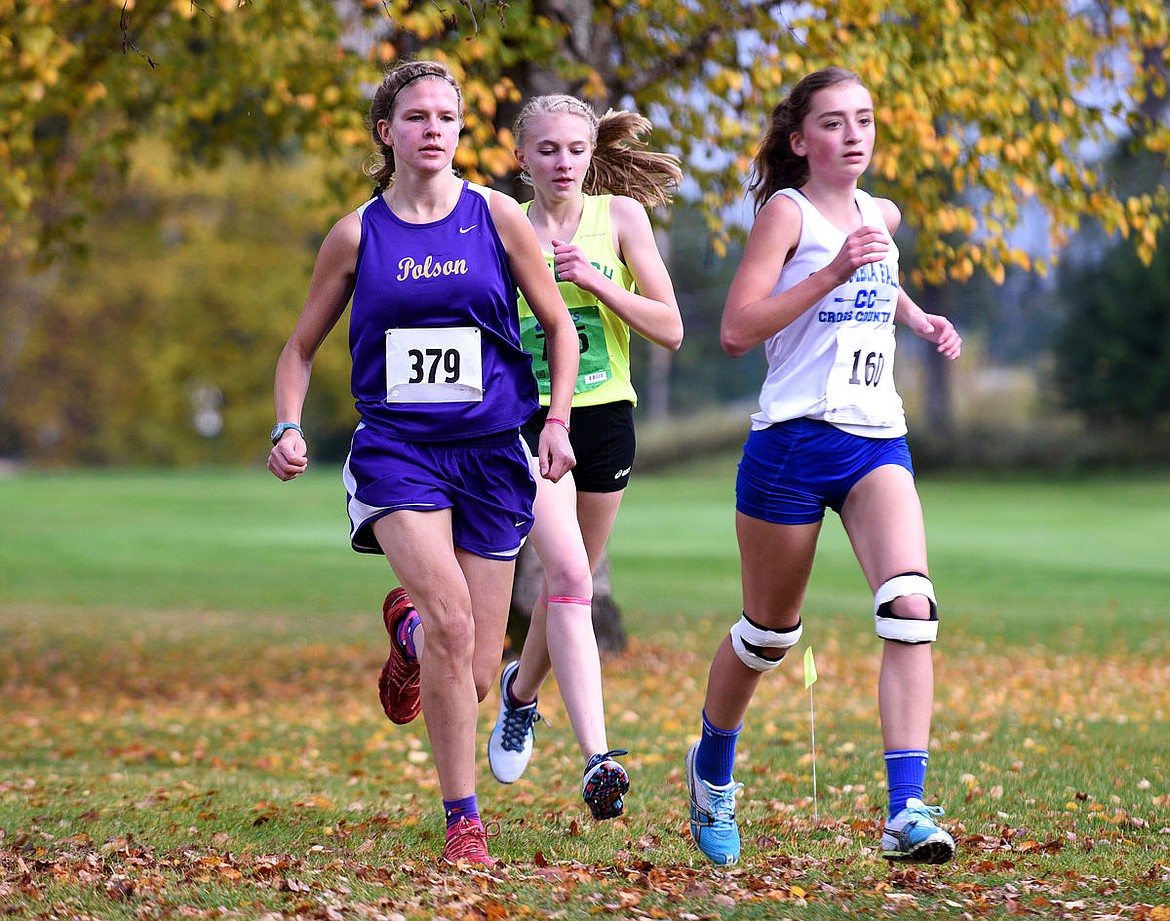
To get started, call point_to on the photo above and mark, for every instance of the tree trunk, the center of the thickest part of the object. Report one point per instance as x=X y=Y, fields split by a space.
x=940 y=408
x=533 y=78
x=23 y=295
x=655 y=406
x=607 y=617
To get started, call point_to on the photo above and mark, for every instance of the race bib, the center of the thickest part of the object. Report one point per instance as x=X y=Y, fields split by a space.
x=434 y=365
x=861 y=383
x=594 y=369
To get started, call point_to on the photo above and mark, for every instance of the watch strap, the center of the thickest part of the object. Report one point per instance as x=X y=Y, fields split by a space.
x=281 y=427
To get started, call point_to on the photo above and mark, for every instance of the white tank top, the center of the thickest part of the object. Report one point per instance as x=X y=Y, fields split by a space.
x=835 y=361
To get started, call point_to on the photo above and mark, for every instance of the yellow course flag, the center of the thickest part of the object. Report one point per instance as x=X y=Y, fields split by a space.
x=810 y=668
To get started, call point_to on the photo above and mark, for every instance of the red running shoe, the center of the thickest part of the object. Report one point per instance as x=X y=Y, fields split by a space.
x=467 y=843
x=398 y=685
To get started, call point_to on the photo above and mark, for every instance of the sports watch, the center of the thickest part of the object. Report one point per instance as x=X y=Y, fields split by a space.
x=281 y=427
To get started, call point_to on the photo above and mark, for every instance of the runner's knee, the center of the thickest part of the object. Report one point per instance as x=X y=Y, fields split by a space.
x=761 y=648
x=905 y=610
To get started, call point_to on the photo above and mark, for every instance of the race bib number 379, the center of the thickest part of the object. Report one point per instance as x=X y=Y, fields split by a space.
x=434 y=365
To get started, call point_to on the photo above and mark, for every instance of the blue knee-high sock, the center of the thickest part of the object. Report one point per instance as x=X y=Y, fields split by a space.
x=906 y=772
x=456 y=809
x=716 y=755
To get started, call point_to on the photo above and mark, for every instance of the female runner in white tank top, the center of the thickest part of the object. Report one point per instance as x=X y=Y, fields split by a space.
x=818 y=286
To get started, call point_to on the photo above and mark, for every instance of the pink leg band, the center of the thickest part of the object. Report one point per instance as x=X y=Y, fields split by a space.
x=569 y=599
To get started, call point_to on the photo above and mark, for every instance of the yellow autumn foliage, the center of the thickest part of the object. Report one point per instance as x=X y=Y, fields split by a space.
x=971 y=99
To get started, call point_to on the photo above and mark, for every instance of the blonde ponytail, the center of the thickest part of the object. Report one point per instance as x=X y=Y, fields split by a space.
x=623 y=166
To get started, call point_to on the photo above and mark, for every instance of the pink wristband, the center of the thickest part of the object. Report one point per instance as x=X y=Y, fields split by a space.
x=561 y=422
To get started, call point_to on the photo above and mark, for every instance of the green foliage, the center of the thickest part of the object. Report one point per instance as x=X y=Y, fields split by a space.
x=159 y=347
x=701 y=373
x=81 y=82
x=980 y=110
x=975 y=99
x=1112 y=356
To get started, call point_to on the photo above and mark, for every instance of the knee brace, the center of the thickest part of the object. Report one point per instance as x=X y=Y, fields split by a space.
x=890 y=626
x=752 y=642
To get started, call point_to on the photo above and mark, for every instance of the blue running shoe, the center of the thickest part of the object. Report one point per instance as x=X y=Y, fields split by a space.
x=911 y=836
x=510 y=744
x=713 y=824
x=605 y=784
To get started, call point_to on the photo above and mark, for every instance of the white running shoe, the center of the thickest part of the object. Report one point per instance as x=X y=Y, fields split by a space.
x=510 y=744
x=911 y=836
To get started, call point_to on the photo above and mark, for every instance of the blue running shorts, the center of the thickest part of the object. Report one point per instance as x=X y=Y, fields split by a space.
x=486 y=482
x=792 y=471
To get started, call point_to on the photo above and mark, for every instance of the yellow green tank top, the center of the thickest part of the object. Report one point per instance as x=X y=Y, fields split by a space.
x=604 y=372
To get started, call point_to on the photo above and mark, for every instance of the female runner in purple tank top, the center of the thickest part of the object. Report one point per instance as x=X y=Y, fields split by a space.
x=438 y=478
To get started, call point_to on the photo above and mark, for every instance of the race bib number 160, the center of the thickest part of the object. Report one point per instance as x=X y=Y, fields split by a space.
x=434 y=365
x=860 y=389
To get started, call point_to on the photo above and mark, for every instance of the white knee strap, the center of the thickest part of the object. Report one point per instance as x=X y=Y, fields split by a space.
x=890 y=626
x=751 y=641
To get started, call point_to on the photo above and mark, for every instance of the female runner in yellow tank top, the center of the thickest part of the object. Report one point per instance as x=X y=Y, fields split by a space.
x=592 y=181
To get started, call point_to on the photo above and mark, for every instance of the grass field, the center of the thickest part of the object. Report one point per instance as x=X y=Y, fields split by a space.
x=189 y=726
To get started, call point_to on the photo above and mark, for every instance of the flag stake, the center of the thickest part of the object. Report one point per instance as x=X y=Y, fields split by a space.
x=810 y=678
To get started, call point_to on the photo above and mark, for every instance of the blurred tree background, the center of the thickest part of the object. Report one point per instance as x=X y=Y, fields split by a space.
x=168 y=168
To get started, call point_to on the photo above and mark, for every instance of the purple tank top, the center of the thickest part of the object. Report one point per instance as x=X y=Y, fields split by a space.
x=434 y=330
